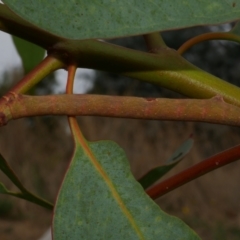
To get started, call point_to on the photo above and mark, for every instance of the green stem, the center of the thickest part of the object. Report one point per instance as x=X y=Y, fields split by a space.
x=167 y=68
x=213 y=110
x=8 y=171
x=32 y=198
x=25 y=194
x=154 y=41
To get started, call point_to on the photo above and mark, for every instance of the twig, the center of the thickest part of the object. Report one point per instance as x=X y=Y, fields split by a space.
x=208 y=165
x=208 y=36
x=47 y=66
x=214 y=110
x=24 y=194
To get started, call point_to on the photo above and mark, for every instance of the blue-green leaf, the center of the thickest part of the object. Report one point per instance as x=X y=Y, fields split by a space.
x=30 y=53
x=99 y=199
x=80 y=19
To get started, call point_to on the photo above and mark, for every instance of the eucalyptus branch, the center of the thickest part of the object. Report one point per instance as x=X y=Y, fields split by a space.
x=167 y=68
x=208 y=165
x=214 y=110
x=208 y=36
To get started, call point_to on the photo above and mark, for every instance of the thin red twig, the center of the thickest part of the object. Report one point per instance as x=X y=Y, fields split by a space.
x=208 y=165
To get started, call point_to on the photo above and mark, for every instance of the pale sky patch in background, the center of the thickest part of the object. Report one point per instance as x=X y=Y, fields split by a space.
x=9 y=59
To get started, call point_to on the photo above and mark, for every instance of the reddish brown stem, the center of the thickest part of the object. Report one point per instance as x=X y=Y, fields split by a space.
x=208 y=36
x=208 y=165
x=47 y=66
x=70 y=81
x=213 y=110
x=72 y=119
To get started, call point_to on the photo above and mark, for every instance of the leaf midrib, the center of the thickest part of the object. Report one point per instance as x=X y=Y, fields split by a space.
x=79 y=137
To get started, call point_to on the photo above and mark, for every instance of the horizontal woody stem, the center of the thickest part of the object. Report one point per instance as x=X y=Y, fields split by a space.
x=214 y=110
